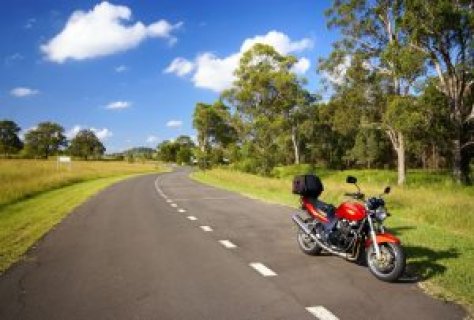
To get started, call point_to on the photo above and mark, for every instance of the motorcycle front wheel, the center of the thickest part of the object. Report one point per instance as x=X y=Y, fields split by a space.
x=391 y=264
x=306 y=244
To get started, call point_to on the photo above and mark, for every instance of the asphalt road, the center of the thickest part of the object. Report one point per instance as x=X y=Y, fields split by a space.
x=150 y=248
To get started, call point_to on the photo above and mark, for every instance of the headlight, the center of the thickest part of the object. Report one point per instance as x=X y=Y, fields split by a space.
x=380 y=214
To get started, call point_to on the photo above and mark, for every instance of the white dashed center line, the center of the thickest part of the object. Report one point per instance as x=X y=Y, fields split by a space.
x=192 y=218
x=321 y=313
x=181 y=210
x=262 y=269
x=169 y=200
x=206 y=228
x=227 y=244
x=174 y=205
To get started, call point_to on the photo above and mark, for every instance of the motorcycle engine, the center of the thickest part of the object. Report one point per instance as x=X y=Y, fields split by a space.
x=342 y=236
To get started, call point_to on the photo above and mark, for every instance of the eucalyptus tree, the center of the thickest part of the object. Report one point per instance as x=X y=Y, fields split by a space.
x=371 y=30
x=443 y=32
x=268 y=96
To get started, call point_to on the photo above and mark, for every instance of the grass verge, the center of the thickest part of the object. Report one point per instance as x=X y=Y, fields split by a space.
x=25 y=222
x=434 y=220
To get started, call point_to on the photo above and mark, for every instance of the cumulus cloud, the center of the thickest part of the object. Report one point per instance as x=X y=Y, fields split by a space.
x=103 y=31
x=118 y=105
x=212 y=72
x=180 y=67
x=21 y=92
x=174 y=123
x=338 y=75
x=301 y=66
x=102 y=134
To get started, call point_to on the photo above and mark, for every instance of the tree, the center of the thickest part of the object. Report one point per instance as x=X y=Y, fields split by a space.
x=267 y=96
x=86 y=145
x=46 y=139
x=372 y=32
x=180 y=150
x=10 y=143
x=443 y=31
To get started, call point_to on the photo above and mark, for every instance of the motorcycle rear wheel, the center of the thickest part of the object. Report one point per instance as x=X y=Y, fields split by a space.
x=306 y=244
x=392 y=263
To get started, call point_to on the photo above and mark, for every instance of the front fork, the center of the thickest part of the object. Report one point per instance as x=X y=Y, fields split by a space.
x=374 y=237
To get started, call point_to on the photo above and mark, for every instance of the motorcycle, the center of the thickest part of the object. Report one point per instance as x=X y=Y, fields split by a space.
x=354 y=230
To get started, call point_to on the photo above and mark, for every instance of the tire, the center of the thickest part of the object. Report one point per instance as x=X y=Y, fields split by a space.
x=306 y=244
x=393 y=261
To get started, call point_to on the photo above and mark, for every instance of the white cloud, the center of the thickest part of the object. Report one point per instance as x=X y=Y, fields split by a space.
x=71 y=133
x=180 y=67
x=212 y=72
x=103 y=31
x=301 y=66
x=118 y=105
x=121 y=68
x=102 y=134
x=174 y=123
x=151 y=139
x=338 y=75
x=23 y=92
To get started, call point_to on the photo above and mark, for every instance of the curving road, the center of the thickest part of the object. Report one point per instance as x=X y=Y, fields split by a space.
x=165 y=247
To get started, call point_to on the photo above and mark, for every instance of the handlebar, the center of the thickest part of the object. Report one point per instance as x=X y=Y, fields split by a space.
x=355 y=195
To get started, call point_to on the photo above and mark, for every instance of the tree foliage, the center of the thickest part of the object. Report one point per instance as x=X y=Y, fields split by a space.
x=10 y=143
x=86 y=145
x=45 y=140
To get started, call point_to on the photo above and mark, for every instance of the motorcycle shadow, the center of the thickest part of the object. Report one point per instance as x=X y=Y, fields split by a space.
x=423 y=263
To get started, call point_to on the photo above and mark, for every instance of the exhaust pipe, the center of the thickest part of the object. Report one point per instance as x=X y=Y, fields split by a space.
x=303 y=226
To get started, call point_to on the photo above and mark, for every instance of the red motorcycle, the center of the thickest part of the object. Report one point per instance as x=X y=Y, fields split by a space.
x=354 y=230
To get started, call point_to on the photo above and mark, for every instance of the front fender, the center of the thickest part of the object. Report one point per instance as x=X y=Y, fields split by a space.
x=382 y=238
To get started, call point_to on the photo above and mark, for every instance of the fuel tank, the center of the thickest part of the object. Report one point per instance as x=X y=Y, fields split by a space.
x=352 y=211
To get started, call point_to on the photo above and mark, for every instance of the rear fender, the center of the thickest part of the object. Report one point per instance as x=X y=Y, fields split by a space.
x=382 y=238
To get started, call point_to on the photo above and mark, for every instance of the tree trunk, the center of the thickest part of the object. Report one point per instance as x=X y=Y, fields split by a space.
x=295 y=145
x=398 y=145
x=461 y=158
x=401 y=159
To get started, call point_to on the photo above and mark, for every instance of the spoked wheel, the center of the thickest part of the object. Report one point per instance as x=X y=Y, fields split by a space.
x=306 y=244
x=391 y=264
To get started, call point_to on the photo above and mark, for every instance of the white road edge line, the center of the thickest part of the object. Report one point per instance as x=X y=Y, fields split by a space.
x=158 y=189
x=181 y=210
x=321 y=313
x=206 y=228
x=227 y=244
x=192 y=218
x=262 y=269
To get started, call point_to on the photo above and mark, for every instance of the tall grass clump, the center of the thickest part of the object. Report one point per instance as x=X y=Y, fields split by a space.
x=20 y=179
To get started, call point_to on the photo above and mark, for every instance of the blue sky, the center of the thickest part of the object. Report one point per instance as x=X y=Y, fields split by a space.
x=134 y=70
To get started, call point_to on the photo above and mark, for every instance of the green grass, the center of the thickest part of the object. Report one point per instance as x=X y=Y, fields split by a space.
x=433 y=216
x=35 y=196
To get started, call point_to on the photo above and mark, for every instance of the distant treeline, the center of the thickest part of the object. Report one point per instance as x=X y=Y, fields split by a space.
x=401 y=86
x=47 y=139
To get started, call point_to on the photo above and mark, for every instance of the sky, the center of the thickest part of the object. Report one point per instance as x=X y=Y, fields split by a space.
x=133 y=71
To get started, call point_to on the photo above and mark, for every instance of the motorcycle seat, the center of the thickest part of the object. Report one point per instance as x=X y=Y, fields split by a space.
x=328 y=209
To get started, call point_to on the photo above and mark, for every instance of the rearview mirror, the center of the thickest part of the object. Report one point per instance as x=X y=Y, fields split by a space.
x=351 y=179
x=387 y=190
